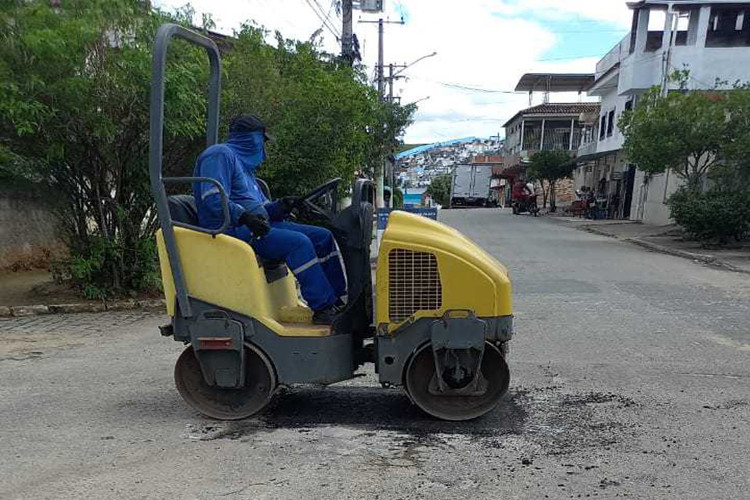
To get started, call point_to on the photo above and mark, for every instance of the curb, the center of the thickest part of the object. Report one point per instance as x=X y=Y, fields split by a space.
x=595 y=230
x=697 y=257
x=83 y=307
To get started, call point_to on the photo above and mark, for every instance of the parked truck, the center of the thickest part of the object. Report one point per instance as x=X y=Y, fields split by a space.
x=471 y=185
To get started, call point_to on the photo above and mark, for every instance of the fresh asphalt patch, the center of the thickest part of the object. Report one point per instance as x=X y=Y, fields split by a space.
x=547 y=420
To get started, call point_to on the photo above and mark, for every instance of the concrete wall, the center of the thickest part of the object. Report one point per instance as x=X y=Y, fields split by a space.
x=27 y=232
x=650 y=195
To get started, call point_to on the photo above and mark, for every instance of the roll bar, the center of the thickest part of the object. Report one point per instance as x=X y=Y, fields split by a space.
x=364 y=190
x=164 y=35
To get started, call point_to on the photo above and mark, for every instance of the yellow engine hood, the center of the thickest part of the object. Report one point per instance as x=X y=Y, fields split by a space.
x=470 y=278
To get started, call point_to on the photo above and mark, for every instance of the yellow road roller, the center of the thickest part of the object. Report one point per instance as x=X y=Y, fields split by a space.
x=437 y=323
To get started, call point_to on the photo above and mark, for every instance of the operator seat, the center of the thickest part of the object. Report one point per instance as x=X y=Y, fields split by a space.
x=182 y=209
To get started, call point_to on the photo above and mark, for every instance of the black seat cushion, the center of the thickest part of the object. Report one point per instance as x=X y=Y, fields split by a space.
x=182 y=209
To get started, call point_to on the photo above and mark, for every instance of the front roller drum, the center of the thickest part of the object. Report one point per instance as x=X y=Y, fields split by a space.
x=221 y=403
x=421 y=373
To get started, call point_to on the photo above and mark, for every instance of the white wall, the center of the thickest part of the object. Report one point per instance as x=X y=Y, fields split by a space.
x=650 y=196
x=611 y=100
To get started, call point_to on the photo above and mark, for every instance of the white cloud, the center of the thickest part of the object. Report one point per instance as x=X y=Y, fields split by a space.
x=480 y=43
x=609 y=11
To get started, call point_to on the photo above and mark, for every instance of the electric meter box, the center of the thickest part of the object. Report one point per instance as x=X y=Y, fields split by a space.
x=371 y=5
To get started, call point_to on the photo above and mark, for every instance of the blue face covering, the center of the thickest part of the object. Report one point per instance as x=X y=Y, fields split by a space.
x=249 y=148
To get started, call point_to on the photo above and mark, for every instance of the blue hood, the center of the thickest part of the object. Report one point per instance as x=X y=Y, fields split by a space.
x=249 y=148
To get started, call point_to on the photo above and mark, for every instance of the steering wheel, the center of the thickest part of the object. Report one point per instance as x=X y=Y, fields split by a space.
x=308 y=210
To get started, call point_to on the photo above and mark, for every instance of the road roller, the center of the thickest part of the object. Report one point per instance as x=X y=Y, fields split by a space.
x=435 y=321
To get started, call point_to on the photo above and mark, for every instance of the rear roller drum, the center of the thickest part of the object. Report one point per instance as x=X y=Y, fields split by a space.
x=221 y=403
x=420 y=373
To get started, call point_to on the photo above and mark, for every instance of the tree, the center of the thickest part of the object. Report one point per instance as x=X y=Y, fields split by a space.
x=440 y=189
x=685 y=132
x=74 y=110
x=734 y=172
x=327 y=120
x=74 y=118
x=550 y=166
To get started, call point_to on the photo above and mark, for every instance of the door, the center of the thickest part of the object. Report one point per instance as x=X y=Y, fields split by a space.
x=629 y=185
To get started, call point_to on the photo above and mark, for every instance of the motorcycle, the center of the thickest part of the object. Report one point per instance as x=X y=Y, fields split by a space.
x=525 y=206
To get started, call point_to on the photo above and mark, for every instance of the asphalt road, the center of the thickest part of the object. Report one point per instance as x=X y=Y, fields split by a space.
x=630 y=379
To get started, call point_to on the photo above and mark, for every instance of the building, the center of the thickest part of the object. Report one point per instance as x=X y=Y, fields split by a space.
x=708 y=38
x=548 y=126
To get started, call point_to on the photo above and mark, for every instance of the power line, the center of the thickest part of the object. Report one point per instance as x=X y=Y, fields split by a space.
x=326 y=18
x=476 y=89
x=322 y=18
x=588 y=31
x=568 y=58
x=328 y=15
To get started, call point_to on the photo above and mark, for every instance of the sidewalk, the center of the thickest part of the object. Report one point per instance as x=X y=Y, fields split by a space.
x=667 y=239
x=30 y=293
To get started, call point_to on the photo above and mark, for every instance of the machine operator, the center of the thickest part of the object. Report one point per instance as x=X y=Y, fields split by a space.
x=310 y=252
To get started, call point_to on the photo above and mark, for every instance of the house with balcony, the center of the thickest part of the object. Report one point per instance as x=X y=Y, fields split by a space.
x=549 y=126
x=708 y=38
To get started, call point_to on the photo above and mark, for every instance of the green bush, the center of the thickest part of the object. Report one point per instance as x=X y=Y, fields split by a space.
x=440 y=189
x=398 y=198
x=714 y=215
x=106 y=267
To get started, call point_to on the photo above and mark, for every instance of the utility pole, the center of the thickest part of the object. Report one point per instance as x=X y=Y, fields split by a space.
x=347 y=32
x=390 y=83
x=380 y=172
x=381 y=89
x=670 y=25
x=381 y=64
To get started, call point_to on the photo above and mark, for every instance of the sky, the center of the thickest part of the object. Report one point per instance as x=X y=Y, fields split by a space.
x=486 y=45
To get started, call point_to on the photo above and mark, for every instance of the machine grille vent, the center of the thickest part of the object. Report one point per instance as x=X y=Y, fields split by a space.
x=414 y=284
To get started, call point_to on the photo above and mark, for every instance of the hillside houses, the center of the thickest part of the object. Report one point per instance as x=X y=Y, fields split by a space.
x=418 y=166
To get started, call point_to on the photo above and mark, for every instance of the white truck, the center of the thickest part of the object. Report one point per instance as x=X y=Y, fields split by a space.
x=471 y=185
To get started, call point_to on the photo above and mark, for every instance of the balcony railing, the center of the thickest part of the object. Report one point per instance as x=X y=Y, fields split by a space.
x=554 y=139
x=587 y=148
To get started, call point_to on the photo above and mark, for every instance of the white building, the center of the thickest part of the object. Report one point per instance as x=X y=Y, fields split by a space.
x=711 y=39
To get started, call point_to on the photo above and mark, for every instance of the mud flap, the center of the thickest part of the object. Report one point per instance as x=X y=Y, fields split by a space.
x=458 y=340
x=218 y=342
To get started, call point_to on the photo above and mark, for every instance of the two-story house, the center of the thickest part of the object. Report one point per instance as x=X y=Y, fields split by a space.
x=708 y=38
x=550 y=126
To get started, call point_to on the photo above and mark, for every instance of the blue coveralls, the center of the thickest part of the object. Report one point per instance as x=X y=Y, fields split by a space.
x=310 y=252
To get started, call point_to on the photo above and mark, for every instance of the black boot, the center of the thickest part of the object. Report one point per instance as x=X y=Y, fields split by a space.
x=325 y=316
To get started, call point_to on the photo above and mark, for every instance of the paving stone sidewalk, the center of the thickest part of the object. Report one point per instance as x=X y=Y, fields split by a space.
x=72 y=323
x=667 y=239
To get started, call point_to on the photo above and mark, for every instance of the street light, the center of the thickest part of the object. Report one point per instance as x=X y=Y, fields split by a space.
x=414 y=62
x=417 y=101
x=392 y=77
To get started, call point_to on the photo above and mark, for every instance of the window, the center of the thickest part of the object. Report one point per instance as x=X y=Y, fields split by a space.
x=657 y=19
x=611 y=124
x=727 y=27
x=603 y=127
x=629 y=104
x=682 y=28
